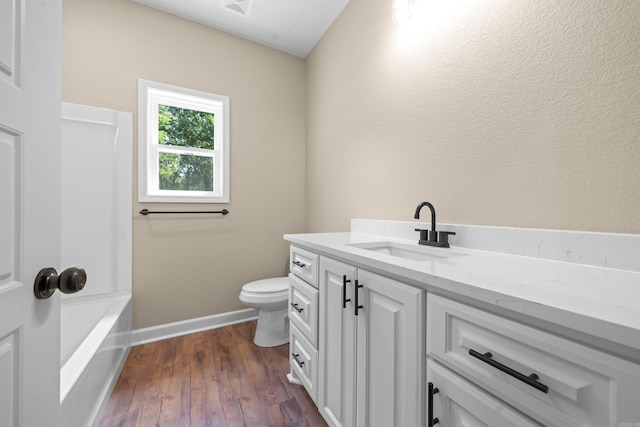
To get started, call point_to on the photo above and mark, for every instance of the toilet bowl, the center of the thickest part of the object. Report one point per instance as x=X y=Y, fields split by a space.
x=269 y=297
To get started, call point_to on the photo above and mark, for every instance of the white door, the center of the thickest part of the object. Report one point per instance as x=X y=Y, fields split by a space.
x=30 y=74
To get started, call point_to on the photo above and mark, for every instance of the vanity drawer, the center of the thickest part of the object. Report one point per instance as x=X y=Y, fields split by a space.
x=304 y=264
x=584 y=387
x=456 y=403
x=303 y=308
x=303 y=358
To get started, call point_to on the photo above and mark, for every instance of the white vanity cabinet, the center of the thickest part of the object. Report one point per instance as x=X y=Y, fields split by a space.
x=370 y=348
x=400 y=342
x=549 y=379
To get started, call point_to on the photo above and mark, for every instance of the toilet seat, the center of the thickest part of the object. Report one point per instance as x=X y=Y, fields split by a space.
x=275 y=284
x=266 y=290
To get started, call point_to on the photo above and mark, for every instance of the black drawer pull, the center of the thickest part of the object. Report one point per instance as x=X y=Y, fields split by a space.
x=344 y=291
x=431 y=421
x=357 y=305
x=296 y=308
x=530 y=380
x=299 y=264
x=297 y=358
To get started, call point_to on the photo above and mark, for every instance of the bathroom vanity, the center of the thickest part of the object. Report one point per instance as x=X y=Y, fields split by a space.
x=506 y=327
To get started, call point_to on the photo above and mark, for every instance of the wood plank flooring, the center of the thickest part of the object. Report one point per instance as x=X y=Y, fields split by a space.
x=212 y=378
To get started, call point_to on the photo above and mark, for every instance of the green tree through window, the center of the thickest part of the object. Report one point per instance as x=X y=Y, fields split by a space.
x=183 y=145
x=181 y=127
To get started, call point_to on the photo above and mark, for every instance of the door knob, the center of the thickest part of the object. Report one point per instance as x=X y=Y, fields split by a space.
x=70 y=281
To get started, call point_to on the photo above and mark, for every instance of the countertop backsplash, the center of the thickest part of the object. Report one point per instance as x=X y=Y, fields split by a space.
x=608 y=250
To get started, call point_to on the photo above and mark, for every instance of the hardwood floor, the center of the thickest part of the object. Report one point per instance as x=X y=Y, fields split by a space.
x=212 y=378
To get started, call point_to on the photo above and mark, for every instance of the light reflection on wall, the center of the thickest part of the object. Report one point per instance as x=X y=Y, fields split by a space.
x=401 y=11
x=435 y=21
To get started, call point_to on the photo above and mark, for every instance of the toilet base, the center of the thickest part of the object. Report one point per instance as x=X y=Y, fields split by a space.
x=272 y=329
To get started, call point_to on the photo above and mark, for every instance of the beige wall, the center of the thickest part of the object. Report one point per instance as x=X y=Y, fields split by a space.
x=512 y=113
x=187 y=267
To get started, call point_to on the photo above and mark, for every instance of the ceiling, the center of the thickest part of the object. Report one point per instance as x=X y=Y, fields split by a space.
x=292 y=26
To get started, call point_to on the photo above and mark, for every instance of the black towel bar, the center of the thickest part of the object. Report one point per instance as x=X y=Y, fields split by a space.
x=147 y=212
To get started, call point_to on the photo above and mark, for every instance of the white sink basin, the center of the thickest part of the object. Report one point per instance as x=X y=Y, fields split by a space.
x=407 y=251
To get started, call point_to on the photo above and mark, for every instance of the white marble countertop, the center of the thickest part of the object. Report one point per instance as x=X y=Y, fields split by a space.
x=596 y=301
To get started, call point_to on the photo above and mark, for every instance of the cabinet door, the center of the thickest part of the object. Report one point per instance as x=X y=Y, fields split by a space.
x=337 y=370
x=459 y=403
x=391 y=353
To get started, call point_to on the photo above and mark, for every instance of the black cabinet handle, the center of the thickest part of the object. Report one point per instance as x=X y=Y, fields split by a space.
x=355 y=297
x=297 y=358
x=296 y=308
x=299 y=264
x=530 y=380
x=430 y=420
x=344 y=291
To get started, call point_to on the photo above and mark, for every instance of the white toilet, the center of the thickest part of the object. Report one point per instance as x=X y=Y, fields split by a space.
x=269 y=297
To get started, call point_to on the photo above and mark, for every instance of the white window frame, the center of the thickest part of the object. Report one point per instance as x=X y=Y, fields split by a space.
x=150 y=95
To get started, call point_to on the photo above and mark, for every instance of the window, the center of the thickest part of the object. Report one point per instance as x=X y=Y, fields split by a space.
x=183 y=139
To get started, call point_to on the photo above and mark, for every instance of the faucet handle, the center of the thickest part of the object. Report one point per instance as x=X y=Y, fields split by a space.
x=443 y=238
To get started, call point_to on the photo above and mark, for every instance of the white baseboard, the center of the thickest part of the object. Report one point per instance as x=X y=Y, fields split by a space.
x=190 y=326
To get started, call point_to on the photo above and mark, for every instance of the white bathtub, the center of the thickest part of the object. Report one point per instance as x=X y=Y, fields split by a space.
x=96 y=225
x=95 y=341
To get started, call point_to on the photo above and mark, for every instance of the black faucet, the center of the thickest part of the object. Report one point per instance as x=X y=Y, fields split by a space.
x=432 y=237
